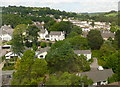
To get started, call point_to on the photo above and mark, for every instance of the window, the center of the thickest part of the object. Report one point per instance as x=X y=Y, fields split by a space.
x=41 y=56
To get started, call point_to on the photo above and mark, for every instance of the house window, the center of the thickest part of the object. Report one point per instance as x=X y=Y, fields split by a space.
x=41 y=56
x=98 y=83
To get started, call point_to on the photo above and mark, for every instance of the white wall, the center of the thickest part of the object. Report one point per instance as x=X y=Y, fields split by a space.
x=87 y=55
x=42 y=54
x=6 y=37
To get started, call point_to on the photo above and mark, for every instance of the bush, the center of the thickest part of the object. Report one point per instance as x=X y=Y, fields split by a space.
x=43 y=44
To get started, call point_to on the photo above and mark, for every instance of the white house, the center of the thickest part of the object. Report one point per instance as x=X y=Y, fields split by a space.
x=85 y=29
x=99 y=77
x=42 y=53
x=43 y=33
x=55 y=36
x=6 y=33
x=10 y=55
x=86 y=53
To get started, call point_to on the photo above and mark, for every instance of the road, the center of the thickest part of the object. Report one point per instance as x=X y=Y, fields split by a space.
x=94 y=65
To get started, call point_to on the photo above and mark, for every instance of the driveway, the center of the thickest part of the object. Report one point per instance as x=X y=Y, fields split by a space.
x=94 y=65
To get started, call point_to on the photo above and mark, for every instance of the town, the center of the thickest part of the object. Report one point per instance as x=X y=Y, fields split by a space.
x=55 y=50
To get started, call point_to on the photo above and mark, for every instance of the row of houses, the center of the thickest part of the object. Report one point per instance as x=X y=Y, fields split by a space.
x=86 y=25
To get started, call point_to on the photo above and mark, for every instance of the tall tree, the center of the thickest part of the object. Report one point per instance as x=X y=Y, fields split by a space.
x=18 y=38
x=95 y=39
x=117 y=38
x=32 y=34
x=27 y=70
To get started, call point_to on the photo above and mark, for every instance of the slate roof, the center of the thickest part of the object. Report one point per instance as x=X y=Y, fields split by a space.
x=6 y=27
x=98 y=76
x=82 y=51
x=107 y=35
x=55 y=33
x=42 y=50
x=6 y=31
x=42 y=31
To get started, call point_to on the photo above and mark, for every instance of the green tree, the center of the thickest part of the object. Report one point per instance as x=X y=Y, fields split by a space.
x=68 y=79
x=95 y=39
x=117 y=38
x=18 y=38
x=28 y=72
x=78 y=42
x=43 y=44
x=62 y=26
x=32 y=34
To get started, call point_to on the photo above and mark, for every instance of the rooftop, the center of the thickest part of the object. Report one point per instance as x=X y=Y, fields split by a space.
x=82 y=51
x=43 y=50
x=107 y=35
x=97 y=76
x=55 y=33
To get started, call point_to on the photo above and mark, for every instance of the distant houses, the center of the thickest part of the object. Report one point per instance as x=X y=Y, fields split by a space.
x=86 y=53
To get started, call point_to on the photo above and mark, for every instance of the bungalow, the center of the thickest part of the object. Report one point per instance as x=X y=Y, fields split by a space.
x=42 y=53
x=98 y=77
x=10 y=55
x=55 y=36
x=106 y=36
x=86 y=53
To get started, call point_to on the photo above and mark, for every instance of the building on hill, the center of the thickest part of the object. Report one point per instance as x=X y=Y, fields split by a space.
x=42 y=52
x=86 y=53
x=106 y=36
x=6 y=33
x=55 y=36
x=43 y=33
x=99 y=77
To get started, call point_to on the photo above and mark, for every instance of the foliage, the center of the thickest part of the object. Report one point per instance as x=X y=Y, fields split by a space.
x=62 y=26
x=117 y=38
x=28 y=72
x=62 y=58
x=95 y=39
x=18 y=38
x=78 y=43
x=43 y=44
x=68 y=79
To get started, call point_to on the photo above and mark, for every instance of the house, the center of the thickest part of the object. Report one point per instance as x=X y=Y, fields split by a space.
x=10 y=55
x=6 y=33
x=43 y=33
x=86 y=53
x=55 y=36
x=42 y=53
x=106 y=36
x=85 y=29
x=98 y=77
